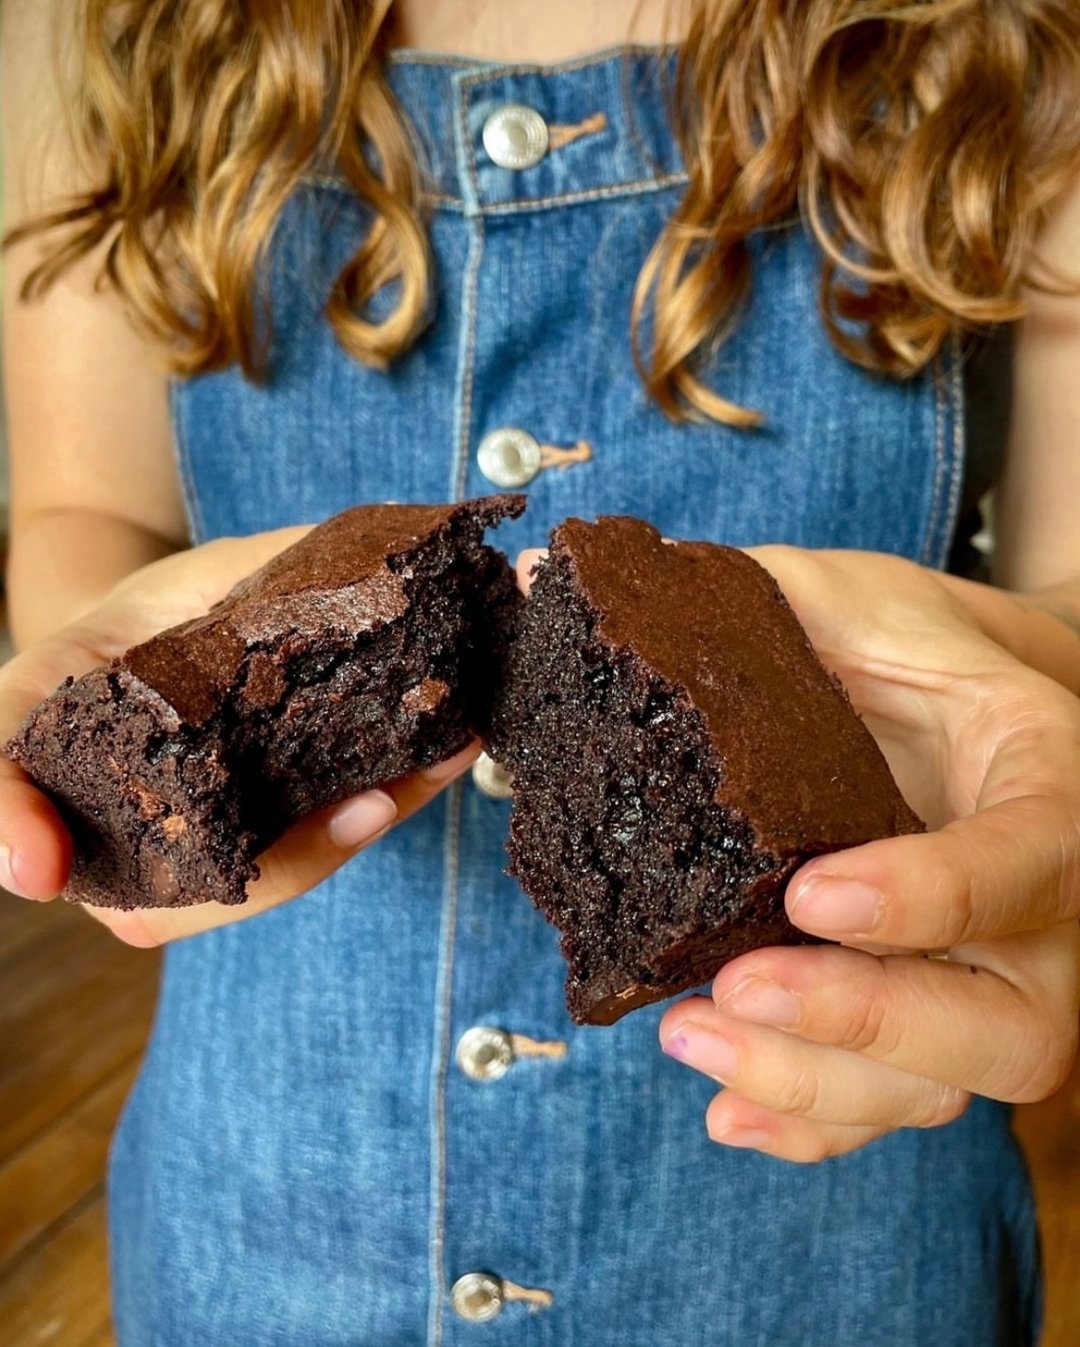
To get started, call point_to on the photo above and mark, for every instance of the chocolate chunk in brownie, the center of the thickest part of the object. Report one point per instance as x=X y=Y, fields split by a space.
x=678 y=751
x=360 y=654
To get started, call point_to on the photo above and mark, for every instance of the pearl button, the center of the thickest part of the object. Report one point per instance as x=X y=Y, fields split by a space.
x=484 y=1053
x=515 y=136
x=508 y=457
x=491 y=779
x=477 y=1297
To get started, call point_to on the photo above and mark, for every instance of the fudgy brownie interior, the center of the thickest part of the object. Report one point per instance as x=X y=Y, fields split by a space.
x=359 y=655
x=678 y=751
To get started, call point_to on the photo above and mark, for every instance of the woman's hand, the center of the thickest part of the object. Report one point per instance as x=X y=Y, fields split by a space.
x=35 y=849
x=825 y=1048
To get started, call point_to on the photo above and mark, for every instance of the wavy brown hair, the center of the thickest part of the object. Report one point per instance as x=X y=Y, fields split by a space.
x=921 y=142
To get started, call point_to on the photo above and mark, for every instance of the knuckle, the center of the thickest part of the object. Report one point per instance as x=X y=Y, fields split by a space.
x=864 y=1026
x=942 y=1104
x=956 y=905
x=799 y=1092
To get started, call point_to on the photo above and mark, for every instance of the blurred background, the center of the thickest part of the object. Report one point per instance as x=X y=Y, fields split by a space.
x=75 y=1010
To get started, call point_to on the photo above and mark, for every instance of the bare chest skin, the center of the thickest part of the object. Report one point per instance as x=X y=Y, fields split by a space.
x=522 y=30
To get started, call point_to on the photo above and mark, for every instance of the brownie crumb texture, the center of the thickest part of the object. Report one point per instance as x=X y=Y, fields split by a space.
x=678 y=751
x=359 y=655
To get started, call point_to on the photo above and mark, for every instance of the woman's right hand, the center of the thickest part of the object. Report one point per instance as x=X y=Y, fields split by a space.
x=35 y=847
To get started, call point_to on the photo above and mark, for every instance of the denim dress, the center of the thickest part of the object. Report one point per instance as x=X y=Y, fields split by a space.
x=365 y=1118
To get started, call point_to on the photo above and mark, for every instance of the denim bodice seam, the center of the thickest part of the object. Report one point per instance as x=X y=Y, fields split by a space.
x=459 y=206
x=949 y=453
x=188 y=483
x=409 y=56
x=442 y=1039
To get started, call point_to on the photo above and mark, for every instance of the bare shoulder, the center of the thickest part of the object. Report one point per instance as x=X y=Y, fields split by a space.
x=36 y=83
x=87 y=396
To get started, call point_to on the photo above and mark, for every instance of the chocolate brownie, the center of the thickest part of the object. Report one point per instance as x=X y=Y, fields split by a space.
x=678 y=751
x=358 y=655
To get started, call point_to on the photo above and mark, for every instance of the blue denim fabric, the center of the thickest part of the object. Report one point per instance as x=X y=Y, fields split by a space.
x=302 y=1163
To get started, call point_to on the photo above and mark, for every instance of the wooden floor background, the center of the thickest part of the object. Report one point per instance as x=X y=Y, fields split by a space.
x=75 y=1007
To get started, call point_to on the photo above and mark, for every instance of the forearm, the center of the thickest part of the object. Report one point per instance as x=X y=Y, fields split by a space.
x=64 y=561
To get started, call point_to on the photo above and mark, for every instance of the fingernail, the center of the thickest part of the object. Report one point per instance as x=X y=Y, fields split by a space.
x=763 y=1001
x=7 y=877
x=745 y=1138
x=359 y=819
x=704 y=1050
x=829 y=905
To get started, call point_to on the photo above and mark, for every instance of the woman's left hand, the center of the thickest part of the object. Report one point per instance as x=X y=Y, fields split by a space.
x=821 y=1049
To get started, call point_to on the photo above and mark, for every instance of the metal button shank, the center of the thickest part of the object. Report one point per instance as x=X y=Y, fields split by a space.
x=491 y=779
x=515 y=136
x=484 y=1053
x=477 y=1297
x=508 y=457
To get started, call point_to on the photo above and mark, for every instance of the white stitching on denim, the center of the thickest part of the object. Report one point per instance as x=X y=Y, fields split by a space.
x=455 y=204
x=573 y=63
x=522 y=205
x=444 y=992
x=464 y=392
x=411 y=56
x=196 y=523
x=639 y=187
x=463 y=147
x=407 y=56
x=959 y=443
x=926 y=555
x=518 y=206
x=441 y=1062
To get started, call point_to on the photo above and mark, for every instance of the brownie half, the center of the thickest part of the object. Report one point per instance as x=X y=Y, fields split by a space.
x=360 y=654
x=678 y=751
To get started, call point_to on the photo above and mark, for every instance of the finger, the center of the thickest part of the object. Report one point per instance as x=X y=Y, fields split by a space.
x=526 y=565
x=310 y=851
x=302 y=858
x=413 y=792
x=1012 y=865
x=960 y=1024
x=318 y=845
x=35 y=846
x=791 y=1075
x=734 y=1121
